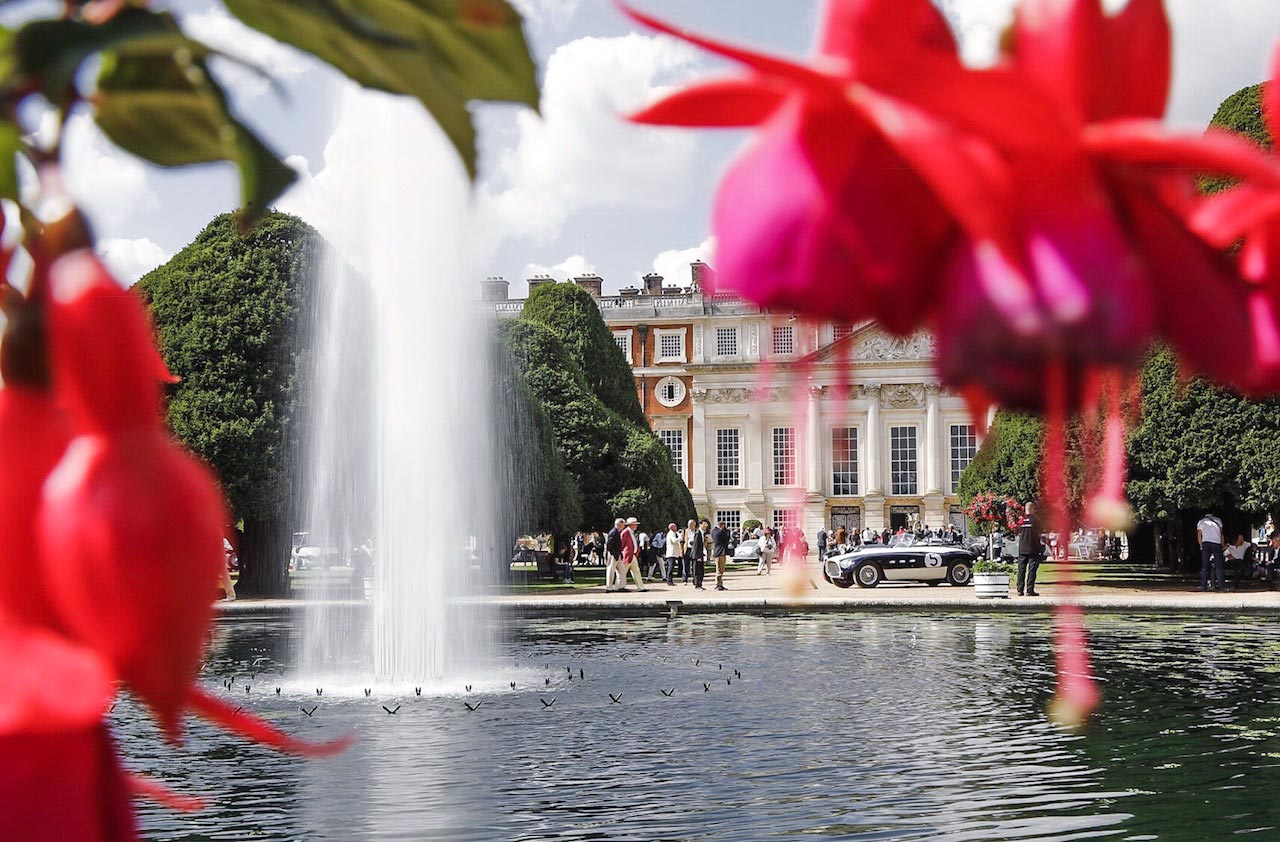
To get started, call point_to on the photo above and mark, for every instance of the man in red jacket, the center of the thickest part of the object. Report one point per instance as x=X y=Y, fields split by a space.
x=631 y=555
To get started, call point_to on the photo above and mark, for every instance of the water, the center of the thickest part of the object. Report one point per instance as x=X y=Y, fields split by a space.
x=873 y=727
x=397 y=448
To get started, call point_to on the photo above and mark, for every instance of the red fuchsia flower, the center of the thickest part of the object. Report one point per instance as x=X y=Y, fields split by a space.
x=131 y=525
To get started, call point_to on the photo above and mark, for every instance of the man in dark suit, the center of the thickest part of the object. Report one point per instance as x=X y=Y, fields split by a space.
x=698 y=553
x=720 y=549
x=1030 y=551
x=614 y=575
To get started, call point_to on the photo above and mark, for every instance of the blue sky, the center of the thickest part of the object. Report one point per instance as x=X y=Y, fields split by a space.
x=637 y=198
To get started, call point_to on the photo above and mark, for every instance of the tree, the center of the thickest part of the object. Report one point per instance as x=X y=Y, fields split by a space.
x=572 y=315
x=226 y=310
x=1009 y=461
x=621 y=469
x=1241 y=113
x=531 y=471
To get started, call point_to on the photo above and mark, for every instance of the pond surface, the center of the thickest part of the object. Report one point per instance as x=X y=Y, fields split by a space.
x=864 y=727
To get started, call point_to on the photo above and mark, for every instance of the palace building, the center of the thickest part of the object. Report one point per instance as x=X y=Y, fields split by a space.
x=774 y=418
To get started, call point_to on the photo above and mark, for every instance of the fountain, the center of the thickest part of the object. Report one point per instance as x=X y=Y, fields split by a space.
x=396 y=449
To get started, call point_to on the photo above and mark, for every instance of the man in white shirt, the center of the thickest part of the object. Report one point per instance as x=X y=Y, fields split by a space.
x=673 y=550
x=1209 y=534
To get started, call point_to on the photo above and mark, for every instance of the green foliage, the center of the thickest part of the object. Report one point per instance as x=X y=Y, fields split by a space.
x=445 y=53
x=1199 y=447
x=1241 y=113
x=751 y=526
x=620 y=468
x=1008 y=463
x=984 y=565
x=571 y=314
x=226 y=310
x=531 y=471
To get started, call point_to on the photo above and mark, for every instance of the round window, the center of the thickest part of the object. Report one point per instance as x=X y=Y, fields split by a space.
x=670 y=391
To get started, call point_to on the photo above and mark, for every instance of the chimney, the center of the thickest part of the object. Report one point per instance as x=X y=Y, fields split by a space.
x=704 y=277
x=593 y=284
x=493 y=288
x=653 y=284
x=539 y=280
x=628 y=292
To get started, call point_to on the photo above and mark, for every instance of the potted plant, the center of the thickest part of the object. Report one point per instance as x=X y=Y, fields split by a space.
x=991 y=578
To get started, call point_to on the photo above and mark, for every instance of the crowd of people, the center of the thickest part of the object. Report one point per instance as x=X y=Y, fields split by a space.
x=1226 y=564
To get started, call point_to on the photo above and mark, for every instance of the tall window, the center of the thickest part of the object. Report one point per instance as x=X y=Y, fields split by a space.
x=784 y=455
x=784 y=340
x=964 y=444
x=731 y=518
x=727 y=463
x=844 y=461
x=670 y=346
x=674 y=440
x=902 y=460
x=726 y=342
x=784 y=518
x=623 y=338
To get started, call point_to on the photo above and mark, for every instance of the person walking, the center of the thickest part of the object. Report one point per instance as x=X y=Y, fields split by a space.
x=1209 y=535
x=614 y=576
x=672 y=552
x=631 y=555
x=687 y=537
x=657 y=555
x=768 y=550
x=720 y=550
x=822 y=542
x=1030 y=551
x=698 y=554
x=644 y=553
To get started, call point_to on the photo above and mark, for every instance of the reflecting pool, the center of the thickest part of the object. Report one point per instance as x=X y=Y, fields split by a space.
x=865 y=727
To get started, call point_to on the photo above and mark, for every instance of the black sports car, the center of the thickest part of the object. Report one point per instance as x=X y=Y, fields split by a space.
x=930 y=562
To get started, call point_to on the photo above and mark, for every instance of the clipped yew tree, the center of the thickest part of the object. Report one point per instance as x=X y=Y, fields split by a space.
x=227 y=311
x=620 y=467
x=572 y=315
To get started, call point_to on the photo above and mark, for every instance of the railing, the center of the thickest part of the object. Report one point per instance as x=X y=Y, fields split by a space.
x=647 y=302
x=508 y=306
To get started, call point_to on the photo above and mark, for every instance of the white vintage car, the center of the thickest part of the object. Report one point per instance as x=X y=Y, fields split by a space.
x=931 y=562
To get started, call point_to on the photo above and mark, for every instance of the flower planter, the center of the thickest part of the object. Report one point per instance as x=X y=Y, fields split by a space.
x=991 y=585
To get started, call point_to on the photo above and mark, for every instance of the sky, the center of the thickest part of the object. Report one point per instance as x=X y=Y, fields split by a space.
x=575 y=189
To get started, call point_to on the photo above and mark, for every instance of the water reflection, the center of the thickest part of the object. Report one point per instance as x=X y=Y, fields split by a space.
x=884 y=727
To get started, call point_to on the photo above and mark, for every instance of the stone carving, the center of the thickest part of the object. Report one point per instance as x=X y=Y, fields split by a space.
x=698 y=394
x=753 y=340
x=697 y=342
x=903 y=396
x=880 y=347
x=728 y=395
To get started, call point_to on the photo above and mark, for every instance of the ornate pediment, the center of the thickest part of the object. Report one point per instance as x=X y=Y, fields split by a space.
x=876 y=346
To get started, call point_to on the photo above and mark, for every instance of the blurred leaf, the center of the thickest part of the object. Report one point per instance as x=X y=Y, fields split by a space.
x=50 y=51
x=162 y=105
x=443 y=52
x=10 y=146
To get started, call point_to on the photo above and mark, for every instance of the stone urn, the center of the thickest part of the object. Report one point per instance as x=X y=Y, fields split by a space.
x=991 y=580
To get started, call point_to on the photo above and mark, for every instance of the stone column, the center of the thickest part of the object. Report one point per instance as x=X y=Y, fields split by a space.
x=813 y=443
x=753 y=456
x=701 y=451
x=932 y=441
x=874 y=480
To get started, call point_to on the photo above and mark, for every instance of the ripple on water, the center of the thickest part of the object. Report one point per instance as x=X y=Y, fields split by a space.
x=884 y=727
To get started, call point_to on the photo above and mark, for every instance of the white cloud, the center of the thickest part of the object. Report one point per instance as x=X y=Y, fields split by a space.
x=673 y=264
x=109 y=184
x=129 y=260
x=548 y=12
x=580 y=153
x=217 y=28
x=570 y=267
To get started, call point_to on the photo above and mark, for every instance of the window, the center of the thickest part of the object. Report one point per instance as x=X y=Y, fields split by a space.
x=784 y=340
x=726 y=342
x=670 y=345
x=731 y=518
x=844 y=461
x=784 y=518
x=784 y=455
x=674 y=440
x=902 y=460
x=727 y=465
x=670 y=392
x=964 y=444
x=623 y=338
x=840 y=332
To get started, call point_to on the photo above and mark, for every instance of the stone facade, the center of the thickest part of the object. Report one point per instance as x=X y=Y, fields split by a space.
x=767 y=414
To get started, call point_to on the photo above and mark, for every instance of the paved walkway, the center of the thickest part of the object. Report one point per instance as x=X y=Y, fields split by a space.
x=1104 y=587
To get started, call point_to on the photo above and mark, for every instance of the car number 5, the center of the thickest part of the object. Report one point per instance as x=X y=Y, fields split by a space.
x=932 y=560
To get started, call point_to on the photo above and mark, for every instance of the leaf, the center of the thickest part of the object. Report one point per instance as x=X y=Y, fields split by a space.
x=162 y=105
x=10 y=146
x=442 y=52
x=50 y=51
